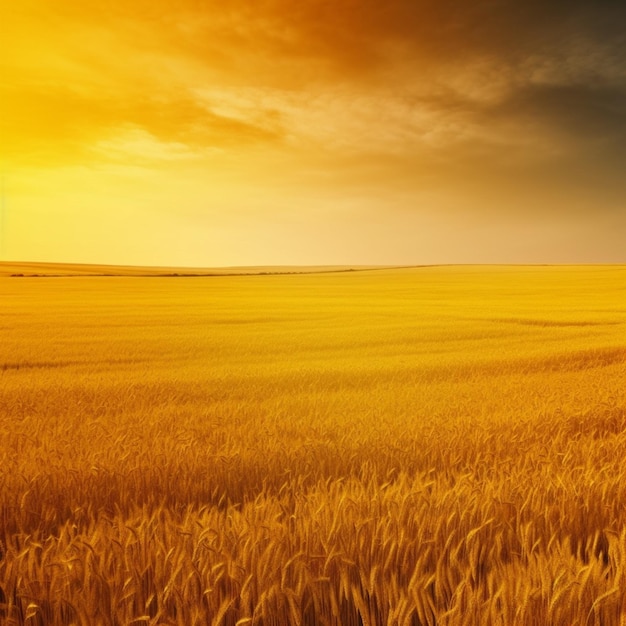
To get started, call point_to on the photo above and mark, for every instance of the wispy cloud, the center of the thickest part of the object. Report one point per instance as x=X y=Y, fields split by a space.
x=471 y=108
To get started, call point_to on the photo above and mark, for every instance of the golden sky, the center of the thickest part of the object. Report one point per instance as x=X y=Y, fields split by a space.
x=264 y=132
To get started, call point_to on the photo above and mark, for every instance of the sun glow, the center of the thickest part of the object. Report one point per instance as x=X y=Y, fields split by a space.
x=211 y=133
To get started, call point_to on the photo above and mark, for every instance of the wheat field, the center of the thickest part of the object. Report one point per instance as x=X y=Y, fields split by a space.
x=438 y=445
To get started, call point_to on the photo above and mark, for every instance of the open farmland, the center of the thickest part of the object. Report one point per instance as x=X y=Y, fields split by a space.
x=419 y=446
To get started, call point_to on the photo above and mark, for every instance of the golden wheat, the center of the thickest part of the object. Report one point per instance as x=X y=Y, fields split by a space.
x=397 y=447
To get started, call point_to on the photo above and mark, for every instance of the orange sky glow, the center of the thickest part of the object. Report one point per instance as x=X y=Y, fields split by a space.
x=268 y=132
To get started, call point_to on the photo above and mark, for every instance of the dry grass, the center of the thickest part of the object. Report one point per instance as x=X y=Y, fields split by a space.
x=431 y=446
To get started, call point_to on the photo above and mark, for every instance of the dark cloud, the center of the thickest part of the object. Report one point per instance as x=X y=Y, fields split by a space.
x=357 y=32
x=593 y=113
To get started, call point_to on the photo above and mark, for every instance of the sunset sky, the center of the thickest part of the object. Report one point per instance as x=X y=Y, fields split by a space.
x=265 y=132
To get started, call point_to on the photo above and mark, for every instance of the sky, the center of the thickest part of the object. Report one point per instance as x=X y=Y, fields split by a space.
x=275 y=132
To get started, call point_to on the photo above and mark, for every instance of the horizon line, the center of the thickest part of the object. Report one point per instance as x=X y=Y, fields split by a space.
x=18 y=269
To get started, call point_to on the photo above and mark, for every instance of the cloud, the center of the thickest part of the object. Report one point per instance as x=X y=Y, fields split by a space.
x=89 y=66
x=48 y=124
x=594 y=113
x=450 y=107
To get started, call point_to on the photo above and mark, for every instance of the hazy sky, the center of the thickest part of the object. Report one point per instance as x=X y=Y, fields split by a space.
x=217 y=132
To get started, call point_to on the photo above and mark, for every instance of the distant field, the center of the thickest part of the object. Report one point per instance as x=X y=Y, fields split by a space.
x=29 y=270
x=437 y=445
